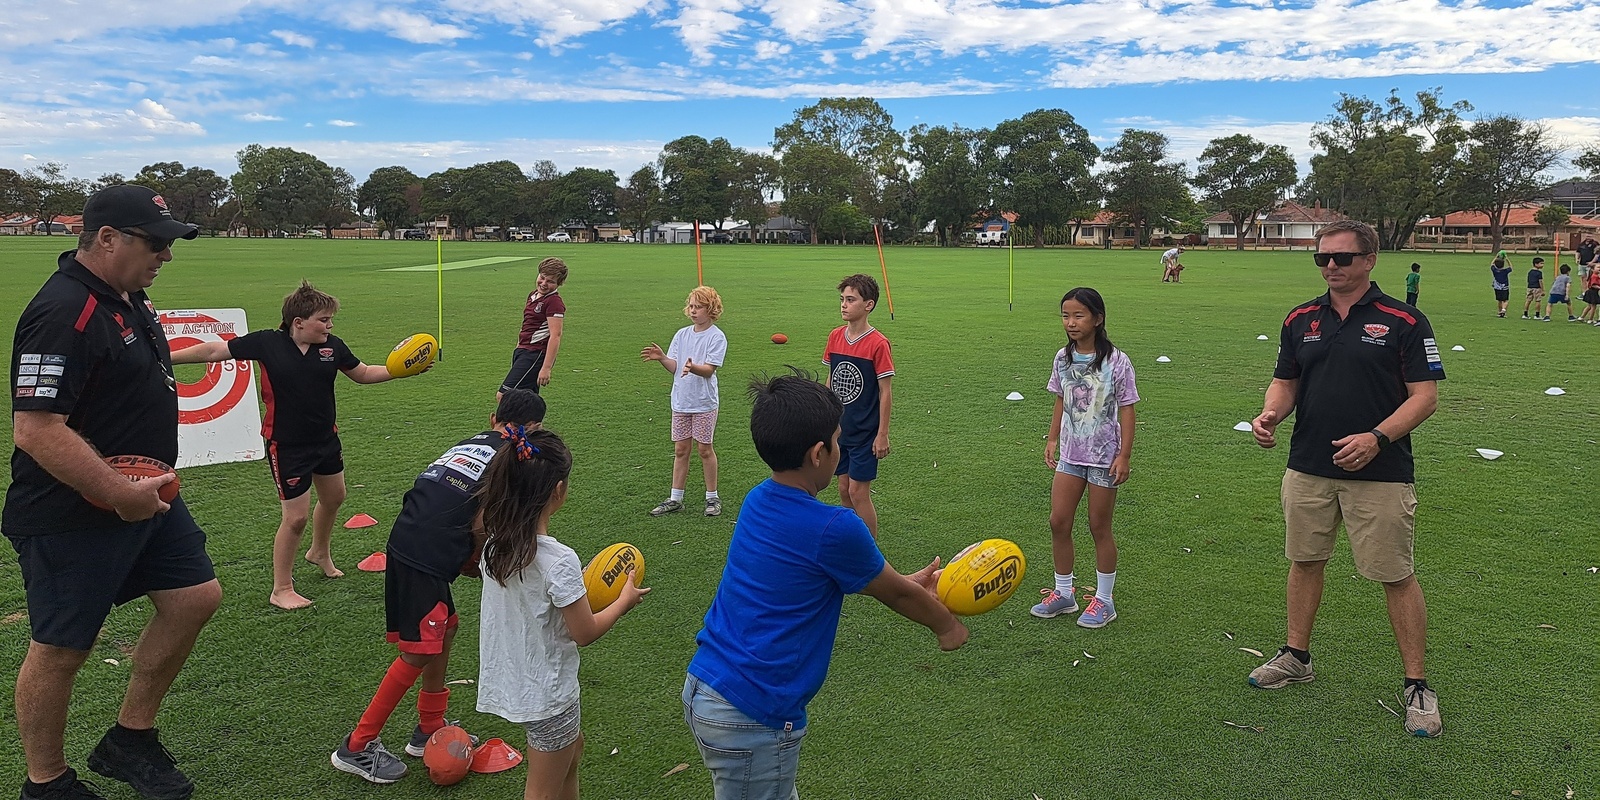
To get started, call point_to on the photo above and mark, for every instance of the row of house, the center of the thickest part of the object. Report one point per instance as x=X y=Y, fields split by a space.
x=20 y=224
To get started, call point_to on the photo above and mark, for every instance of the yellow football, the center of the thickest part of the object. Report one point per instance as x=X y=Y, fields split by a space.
x=603 y=578
x=412 y=355
x=982 y=577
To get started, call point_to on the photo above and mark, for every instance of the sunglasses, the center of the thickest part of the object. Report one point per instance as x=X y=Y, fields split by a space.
x=1342 y=259
x=157 y=244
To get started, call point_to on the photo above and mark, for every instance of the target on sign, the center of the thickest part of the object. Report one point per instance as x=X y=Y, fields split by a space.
x=218 y=420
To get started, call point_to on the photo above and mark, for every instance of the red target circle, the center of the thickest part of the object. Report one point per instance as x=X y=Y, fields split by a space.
x=237 y=373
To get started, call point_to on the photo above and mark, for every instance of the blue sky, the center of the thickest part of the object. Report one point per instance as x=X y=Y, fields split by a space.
x=112 y=85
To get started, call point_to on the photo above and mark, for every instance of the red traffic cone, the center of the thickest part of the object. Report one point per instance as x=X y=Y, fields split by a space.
x=360 y=521
x=377 y=562
x=495 y=756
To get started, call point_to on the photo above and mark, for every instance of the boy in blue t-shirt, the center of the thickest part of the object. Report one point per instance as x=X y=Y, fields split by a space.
x=768 y=636
x=1535 y=289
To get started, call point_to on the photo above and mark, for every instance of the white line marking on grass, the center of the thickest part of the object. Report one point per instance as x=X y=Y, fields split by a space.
x=449 y=265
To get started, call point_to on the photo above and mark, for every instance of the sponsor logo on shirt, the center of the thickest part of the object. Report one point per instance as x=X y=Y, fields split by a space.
x=1431 y=348
x=467 y=461
x=52 y=359
x=50 y=369
x=25 y=391
x=28 y=369
x=1375 y=334
x=30 y=358
x=27 y=380
x=847 y=382
x=1315 y=333
x=45 y=391
x=128 y=336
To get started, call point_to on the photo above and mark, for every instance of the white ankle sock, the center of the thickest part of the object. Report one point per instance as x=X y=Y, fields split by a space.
x=677 y=494
x=1064 y=584
x=1103 y=584
x=711 y=495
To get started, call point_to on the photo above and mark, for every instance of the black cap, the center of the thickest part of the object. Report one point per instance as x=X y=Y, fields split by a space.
x=129 y=206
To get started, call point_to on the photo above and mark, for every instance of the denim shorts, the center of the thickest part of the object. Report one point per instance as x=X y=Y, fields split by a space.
x=1099 y=476
x=748 y=760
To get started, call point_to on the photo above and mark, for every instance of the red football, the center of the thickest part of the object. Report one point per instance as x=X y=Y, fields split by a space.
x=448 y=755
x=778 y=338
x=137 y=468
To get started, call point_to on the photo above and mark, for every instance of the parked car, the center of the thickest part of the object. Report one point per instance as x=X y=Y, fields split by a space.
x=991 y=237
x=311 y=233
x=414 y=233
x=626 y=238
x=719 y=238
x=524 y=236
x=558 y=236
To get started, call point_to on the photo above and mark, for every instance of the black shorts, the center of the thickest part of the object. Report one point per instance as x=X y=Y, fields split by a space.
x=1591 y=296
x=1502 y=294
x=73 y=579
x=417 y=607
x=294 y=464
x=524 y=374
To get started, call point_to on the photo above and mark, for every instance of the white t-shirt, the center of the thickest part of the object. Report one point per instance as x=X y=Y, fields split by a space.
x=692 y=394
x=527 y=660
x=1171 y=256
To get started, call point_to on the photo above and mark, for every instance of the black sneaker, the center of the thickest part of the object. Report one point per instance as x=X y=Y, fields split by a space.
x=139 y=760
x=419 y=740
x=66 y=787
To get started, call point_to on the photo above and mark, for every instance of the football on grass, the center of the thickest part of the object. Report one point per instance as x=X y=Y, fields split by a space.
x=138 y=468
x=448 y=755
x=603 y=578
x=778 y=338
x=982 y=577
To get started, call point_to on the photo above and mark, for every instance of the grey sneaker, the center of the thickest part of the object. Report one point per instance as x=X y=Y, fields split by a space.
x=1422 y=712
x=714 y=507
x=373 y=762
x=1054 y=604
x=419 y=740
x=666 y=507
x=1282 y=670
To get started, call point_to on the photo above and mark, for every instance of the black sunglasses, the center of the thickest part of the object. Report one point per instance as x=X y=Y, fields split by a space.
x=1342 y=259
x=157 y=244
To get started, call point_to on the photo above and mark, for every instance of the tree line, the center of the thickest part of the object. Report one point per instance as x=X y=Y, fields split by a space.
x=840 y=166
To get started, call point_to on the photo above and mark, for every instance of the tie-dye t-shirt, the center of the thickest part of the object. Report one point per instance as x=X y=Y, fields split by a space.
x=1091 y=431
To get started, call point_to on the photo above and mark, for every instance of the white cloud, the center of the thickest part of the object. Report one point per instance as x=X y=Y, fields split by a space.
x=768 y=49
x=256 y=116
x=342 y=123
x=705 y=24
x=554 y=21
x=295 y=39
x=28 y=157
x=148 y=120
x=404 y=25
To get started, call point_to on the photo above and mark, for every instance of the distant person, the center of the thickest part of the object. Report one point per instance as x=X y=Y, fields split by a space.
x=540 y=340
x=1360 y=372
x=1089 y=447
x=1413 y=284
x=1587 y=249
x=1500 y=271
x=1591 y=298
x=1170 y=268
x=859 y=371
x=1560 y=294
x=693 y=358
x=1535 y=289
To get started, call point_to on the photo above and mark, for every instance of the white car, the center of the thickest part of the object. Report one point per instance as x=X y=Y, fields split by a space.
x=558 y=236
x=522 y=236
x=626 y=238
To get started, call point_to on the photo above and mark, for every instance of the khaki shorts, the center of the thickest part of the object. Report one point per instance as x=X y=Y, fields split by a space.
x=1535 y=294
x=1378 y=518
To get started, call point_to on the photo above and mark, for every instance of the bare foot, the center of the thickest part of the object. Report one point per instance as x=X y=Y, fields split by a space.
x=288 y=599
x=326 y=563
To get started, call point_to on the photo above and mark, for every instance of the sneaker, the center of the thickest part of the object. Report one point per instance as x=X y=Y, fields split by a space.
x=65 y=787
x=141 y=762
x=666 y=507
x=1524 y=316
x=1422 y=712
x=1501 y=315
x=714 y=507
x=1571 y=318
x=1097 y=614
x=1054 y=605
x=419 y=740
x=1282 y=670
x=373 y=762
x=1547 y=318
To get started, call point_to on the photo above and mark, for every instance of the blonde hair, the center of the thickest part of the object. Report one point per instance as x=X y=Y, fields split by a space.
x=708 y=297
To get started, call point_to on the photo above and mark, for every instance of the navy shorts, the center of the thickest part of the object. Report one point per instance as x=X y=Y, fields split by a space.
x=1557 y=299
x=73 y=579
x=294 y=464
x=524 y=374
x=418 y=608
x=857 y=462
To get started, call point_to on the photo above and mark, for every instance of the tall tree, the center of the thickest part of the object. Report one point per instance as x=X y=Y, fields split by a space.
x=1553 y=217
x=1505 y=163
x=754 y=178
x=392 y=196
x=640 y=200
x=1589 y=161
x=1387 y=163
x=50 y=193
x=193 y=194
x=590 y=195
x=1038 y=166
x=861 y=129
x=13 y=195
x=696 y=178
x=1143 y=187
x=816 y=178
x=282 y=188
x=1244 y=177
x=445 y=194
x=342 y=209
x=948 y=188
x=106 y=181
x=493 y=194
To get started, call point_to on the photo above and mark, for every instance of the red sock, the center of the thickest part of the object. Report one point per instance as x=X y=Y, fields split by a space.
x=430 y=709
x=396 y=682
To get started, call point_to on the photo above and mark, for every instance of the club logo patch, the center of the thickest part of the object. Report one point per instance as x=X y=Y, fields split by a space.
x=161 y=203
x=326 y=353
x=1315 y=334
x=1376 y=331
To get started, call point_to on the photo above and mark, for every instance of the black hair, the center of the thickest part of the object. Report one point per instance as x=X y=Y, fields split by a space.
x=519 y=483
x=789 y=415
x=1415 y=267
x=520 y=407
x=865 y=285
x=1565 y=269
x=1092 y=300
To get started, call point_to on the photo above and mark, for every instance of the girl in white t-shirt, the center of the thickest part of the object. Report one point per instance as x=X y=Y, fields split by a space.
x=534 y=614
x=697 y=350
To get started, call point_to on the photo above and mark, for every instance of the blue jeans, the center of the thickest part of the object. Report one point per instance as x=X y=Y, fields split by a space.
x=748 y=760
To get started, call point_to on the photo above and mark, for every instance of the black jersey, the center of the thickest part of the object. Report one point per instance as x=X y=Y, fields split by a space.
x=433 y=532
x=296 y=387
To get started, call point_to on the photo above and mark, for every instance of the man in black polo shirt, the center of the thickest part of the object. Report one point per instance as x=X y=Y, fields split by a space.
x=91 y=377
x=1360 y=368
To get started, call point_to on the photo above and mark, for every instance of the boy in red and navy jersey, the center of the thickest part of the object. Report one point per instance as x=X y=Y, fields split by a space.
x=299 y=361
x=540 y=339
x=859 y=369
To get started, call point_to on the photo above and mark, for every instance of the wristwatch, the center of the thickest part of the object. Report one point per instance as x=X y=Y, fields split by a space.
x=1383 y=440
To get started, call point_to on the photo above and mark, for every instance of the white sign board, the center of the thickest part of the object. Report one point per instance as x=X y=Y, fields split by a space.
x=218 y=419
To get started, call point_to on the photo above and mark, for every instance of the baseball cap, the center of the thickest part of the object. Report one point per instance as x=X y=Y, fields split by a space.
x=130 y=206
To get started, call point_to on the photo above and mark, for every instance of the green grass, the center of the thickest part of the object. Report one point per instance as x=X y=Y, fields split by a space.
x=1502 y=547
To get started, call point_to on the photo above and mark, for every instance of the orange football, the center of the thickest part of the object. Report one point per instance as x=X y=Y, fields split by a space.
x=137 y=468
x=448 y=755
x=778 y=338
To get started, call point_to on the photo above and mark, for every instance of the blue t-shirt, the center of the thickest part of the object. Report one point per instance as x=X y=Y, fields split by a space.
x=1535 y=278
x=769 y=634
x=1502 y=277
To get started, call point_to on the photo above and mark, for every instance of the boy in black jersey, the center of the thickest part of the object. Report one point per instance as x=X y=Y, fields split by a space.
x=433 y=541
x=298 y=363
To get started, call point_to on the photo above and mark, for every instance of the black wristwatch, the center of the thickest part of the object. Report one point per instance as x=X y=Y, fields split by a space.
x=1383 y=441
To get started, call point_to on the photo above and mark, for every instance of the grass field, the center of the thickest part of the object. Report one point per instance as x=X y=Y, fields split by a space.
x=1504 y=548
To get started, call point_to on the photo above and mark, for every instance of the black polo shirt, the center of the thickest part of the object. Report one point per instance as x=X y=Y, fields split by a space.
x=1352 y=375
x=84 y=352
x=296 y=387
x=433 y=532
